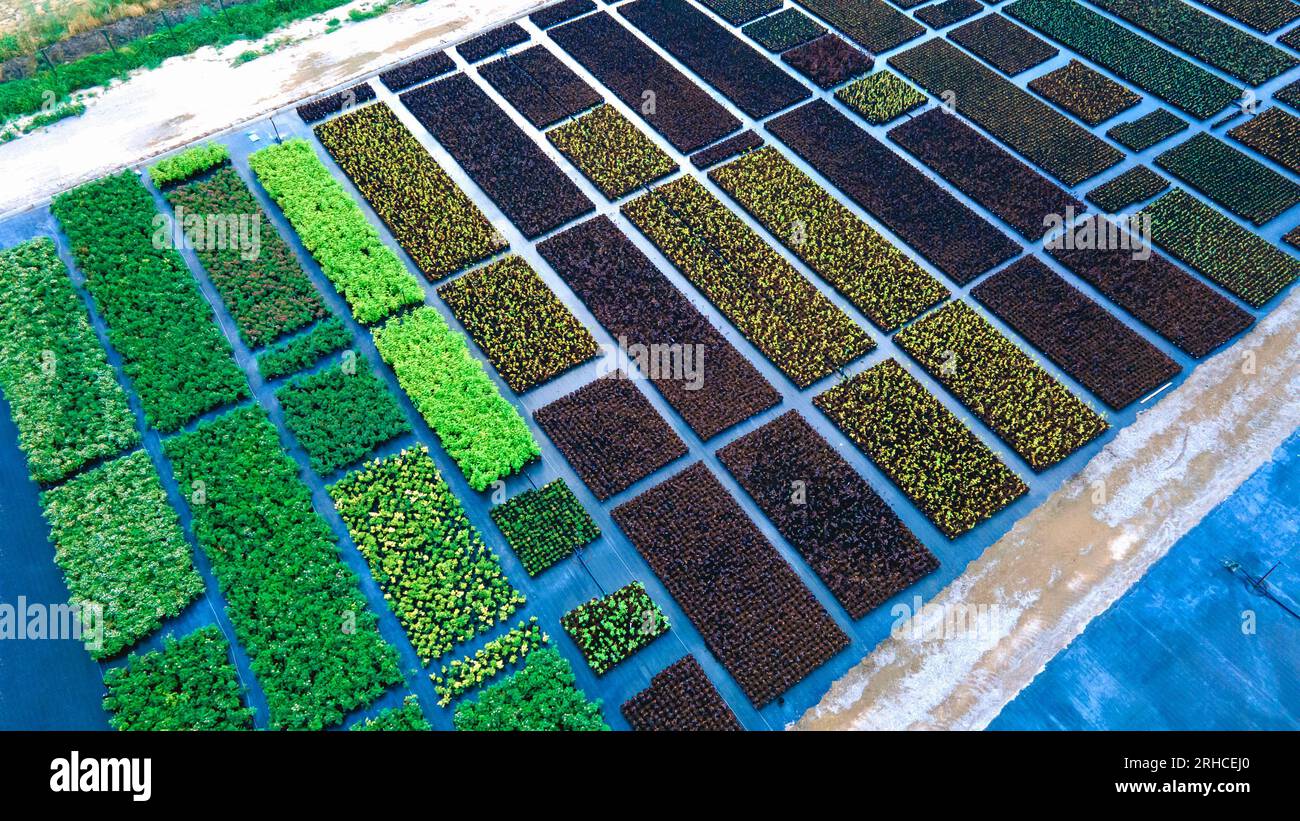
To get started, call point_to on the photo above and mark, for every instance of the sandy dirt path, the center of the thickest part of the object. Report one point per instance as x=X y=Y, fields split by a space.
x=1067 y=561
x=190 y=97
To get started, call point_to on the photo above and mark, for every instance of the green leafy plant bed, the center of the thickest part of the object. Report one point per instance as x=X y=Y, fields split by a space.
x=296 y=608
x=478 y=428
x=785 y=29
x=1147 y=130
x=881 y=97
x=1087 y=94
x=882 y=281
x=611 y=628
x=1235 y=180
x=1033 y=413
x=121 y=549
x=953 y=477
x=338 y=417
x=1127 y=53
x=1136 y=185
x=739 y=12
x=462 y=675
x=364 y=270
x=302 y=351
x=442 y=581
x=545 y=525
x=1248 y=266
x=178 y=361
x=431 y=218
x=543 y=696
x=407 y=718
x=259 y=278
x=1045 y=137
x=191 y=684
x=189 y=163
x=527 y=333
x=1262 y=15
x=1206 y=38
x=611 y=151
x=773 y=305
x=65 y=399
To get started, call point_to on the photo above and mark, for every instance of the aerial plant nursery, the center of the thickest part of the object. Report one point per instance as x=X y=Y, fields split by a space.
x=650 y=365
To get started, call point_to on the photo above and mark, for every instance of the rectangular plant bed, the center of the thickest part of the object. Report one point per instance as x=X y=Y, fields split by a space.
x=527 y=333
x=753 y=611
x=959 y=242
x=544 y=525
x=852 y=540
x=610 y=433
x=528 y=187
x=801 y=331
x=953 y=477
x=657 y=326
x=611 y=628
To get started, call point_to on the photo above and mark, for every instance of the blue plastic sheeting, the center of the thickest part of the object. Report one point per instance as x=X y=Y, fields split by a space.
x=1176 y=651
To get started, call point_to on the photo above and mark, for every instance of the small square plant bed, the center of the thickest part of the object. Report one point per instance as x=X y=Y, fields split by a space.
x=828 y=61
x=611 y=628
x=611 y=152
x=1147 y=130
x=340 y=414
x=545 y=525
x=881 y=97
x=1136 y=185
x=784 y=30
x=942 y=15
x=610 y=433
x=1087 y=94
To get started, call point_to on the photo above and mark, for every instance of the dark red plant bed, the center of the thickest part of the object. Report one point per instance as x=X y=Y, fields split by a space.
x=1175 y=304
x=610 y=433
x=1009 y=47
x=1106 y=356
x=828 y=61
x=680 y=698
x=544 y=89
x=753 y=611
x=731 y=147
x=336 y=102
x=958 y=241
x=668 y=100
x=743 y=75
x=872 y=24
x=984 y=171
x=511 y=169
x=653 y=321
x=854 y=542
x=490 y=42
x=560 y=12
x=414 y=72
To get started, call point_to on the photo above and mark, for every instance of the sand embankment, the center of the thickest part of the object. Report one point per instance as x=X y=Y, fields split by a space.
x=190 y=97
x=1067 y=561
